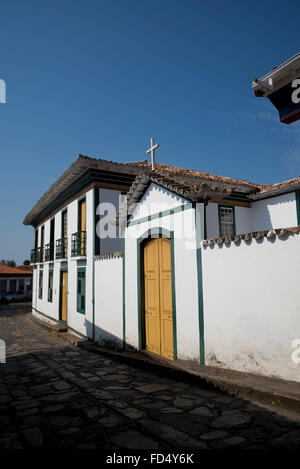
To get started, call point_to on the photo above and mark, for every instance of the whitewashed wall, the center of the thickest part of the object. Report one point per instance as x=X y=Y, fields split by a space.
x=109 y=301
x=156 y=199
x=185 y=269
x=276 y=212
x=242 y=220
x=251 y=306
x=81 y=323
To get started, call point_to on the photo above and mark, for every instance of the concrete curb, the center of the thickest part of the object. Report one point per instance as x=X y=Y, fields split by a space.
x=237 y=386
x=58 y=327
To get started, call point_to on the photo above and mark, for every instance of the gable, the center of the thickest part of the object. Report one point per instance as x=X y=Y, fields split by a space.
x=156 y=199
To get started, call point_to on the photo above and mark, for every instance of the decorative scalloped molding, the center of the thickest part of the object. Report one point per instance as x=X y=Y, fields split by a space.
x=113 y=255
x=281 y=233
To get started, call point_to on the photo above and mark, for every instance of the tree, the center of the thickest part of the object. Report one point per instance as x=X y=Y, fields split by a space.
x=3 y=262
x=11 y=263
x=26 y=262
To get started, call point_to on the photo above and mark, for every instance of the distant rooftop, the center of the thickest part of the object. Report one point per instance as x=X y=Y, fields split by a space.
x=22 y=269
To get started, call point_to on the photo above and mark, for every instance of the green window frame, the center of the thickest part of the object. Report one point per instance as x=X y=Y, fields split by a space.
x=50 y=286
x=41 y=276
x=81 y=290
x=226 y=220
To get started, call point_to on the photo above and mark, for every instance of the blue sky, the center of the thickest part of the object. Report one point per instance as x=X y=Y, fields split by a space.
x=102 y=77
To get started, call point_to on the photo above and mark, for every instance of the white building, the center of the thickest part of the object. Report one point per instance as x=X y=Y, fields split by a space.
x=207 y=270
x=16 y=281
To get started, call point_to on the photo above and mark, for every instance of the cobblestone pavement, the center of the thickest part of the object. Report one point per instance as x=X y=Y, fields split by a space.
x=56 y=395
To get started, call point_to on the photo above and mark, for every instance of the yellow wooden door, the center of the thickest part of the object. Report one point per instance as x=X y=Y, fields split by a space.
x=158 y=297
x=152 y=316
x=64 y=296
x=166 y=313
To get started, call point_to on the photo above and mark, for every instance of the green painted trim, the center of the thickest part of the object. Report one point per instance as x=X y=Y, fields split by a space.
x=200 y=286
x=173 y=296
x=205 y=222
x=297 y=194
x=50 y=290
x=41 y=281
x=141 y=321
x=154 y=232
x=95 y=198
x=124 y=295
x=96 y=192
x=79 y=309
x=165 y=213
x=233 y=216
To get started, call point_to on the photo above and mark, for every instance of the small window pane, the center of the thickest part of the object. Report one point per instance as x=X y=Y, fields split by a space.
x=226 y=221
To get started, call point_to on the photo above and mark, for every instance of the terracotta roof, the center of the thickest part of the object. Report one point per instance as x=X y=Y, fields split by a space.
x=23 y=269
x=195 y=175
x=192 y=184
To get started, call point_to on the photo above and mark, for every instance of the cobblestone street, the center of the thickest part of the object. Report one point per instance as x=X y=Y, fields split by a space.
x=56 y=395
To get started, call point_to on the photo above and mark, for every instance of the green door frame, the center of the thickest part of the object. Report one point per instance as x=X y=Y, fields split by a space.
x=153 y=233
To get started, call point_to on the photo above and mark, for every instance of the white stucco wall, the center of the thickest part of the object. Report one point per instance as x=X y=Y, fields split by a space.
x=242 y=220
x=251 y=306
x=156 y=199
x=109 y=301
x=81 y=323
x=183 y=225
x=212 y=220
x=276 y=212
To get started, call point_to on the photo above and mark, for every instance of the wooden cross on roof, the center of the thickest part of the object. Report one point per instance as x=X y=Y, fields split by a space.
x=152 y=150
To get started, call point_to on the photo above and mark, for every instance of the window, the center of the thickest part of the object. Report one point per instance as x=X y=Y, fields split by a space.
x=82 y=215
x=12 y=286
x=81 y=290
x=3 y=286
x=42 y=243
x=41 y=285
x=64 y=232
x=226 y=221
x=21 y=285
x=50 y=286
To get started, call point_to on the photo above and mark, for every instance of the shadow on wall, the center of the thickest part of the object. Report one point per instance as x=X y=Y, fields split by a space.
x=264 y=213
x=107 y=339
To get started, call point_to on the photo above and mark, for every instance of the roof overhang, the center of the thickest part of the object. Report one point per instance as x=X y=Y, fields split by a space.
x=277 y=78
x=281 y=86
x=88 y=179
